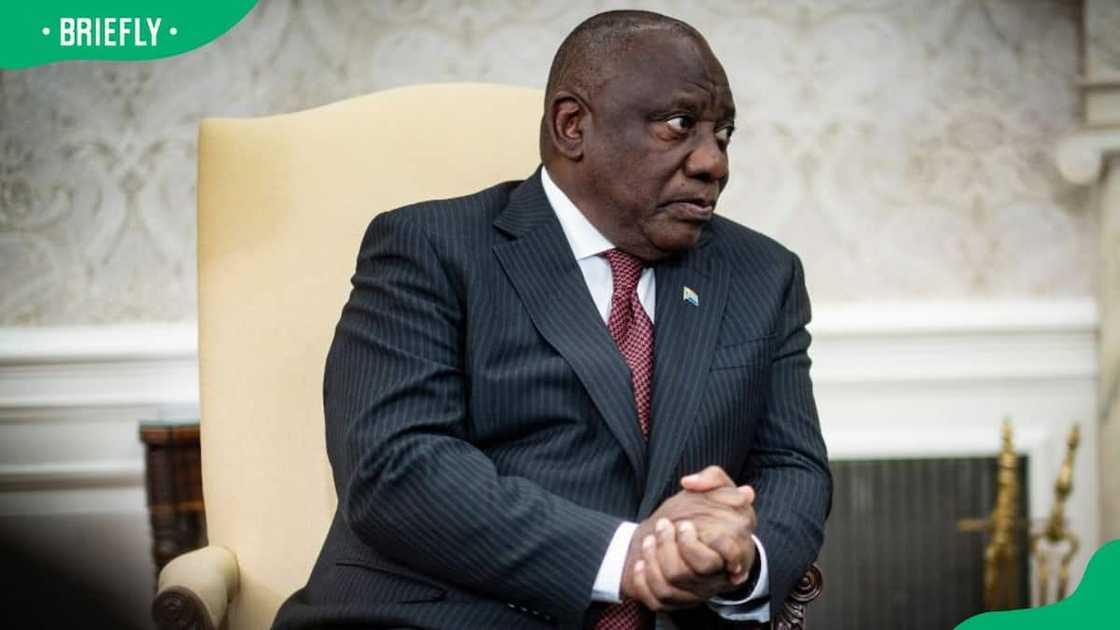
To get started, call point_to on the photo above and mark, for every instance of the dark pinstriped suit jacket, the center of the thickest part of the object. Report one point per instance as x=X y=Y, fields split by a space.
x=482 y=430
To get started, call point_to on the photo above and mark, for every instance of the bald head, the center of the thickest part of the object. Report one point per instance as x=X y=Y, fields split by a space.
x=595 y=51
x=584 y=60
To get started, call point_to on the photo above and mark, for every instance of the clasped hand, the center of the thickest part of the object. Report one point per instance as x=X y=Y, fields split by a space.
x=696 y=545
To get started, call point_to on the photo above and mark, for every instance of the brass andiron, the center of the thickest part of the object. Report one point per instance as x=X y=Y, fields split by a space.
x=1002 y=552
x=1045 y=544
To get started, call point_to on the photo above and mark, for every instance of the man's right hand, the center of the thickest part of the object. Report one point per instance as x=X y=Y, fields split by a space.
x=695 y=546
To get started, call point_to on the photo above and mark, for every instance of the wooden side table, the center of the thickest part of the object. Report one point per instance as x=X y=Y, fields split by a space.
x=174 y=485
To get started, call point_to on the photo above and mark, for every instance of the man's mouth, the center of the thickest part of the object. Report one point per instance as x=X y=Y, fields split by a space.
x=693 y=209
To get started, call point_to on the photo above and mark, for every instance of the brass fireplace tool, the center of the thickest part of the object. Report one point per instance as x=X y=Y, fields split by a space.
x=1046 y=544
x=1001 y=572
x=1001 y=555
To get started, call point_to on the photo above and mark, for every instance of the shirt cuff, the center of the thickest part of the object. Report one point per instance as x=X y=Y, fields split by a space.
x=756 y=605
x=608 y=582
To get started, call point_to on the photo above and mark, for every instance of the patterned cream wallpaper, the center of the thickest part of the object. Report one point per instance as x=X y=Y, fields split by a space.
x=1102 y=35
x=901 y=146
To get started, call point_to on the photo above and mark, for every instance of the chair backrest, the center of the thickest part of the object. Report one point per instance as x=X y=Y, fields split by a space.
x=283 y=202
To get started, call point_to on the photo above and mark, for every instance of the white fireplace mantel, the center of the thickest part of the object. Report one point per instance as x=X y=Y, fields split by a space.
x=893 y=380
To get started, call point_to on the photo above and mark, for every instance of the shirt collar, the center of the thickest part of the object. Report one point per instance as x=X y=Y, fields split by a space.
x=583 y=237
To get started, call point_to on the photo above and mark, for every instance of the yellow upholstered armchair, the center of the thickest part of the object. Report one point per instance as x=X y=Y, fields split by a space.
x=283 y=202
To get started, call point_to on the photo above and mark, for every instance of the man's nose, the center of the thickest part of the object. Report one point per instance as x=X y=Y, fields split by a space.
x=708 y=160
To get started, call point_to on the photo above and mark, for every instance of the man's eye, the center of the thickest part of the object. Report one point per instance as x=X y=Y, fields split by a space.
x=723 y=136
x=681 y=123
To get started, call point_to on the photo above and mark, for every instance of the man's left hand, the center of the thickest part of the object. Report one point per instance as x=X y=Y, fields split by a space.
x=688 y=562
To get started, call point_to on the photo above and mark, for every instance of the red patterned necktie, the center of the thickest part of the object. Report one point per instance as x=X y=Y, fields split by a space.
x=632 y=331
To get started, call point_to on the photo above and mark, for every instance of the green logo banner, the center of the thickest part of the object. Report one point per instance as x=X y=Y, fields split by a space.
x=1093 y=605
x=35 y=32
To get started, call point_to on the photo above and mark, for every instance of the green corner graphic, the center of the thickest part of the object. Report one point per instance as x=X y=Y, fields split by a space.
x=35 y=32
x=1095 y=603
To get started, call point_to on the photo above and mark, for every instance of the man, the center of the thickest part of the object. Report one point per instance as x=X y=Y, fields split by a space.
x=523 y=379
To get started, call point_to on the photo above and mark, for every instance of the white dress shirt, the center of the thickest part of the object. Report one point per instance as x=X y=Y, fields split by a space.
x=587 y=243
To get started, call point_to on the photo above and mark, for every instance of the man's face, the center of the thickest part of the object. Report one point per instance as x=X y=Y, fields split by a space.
x=655 y=151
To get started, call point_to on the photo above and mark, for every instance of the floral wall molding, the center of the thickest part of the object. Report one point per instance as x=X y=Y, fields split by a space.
x=1081 y=156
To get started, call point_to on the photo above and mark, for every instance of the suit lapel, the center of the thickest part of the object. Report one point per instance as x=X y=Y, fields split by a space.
x=685 y=336
x=540 y=264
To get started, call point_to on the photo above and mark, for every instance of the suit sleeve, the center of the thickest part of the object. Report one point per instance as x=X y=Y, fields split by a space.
x=411 y=484
x=788 y=465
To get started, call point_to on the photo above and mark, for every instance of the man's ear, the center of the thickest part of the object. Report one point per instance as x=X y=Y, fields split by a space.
x=568 y=119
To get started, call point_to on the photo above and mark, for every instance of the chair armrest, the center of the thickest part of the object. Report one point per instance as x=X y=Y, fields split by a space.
x=792 y=614
x=195 y=589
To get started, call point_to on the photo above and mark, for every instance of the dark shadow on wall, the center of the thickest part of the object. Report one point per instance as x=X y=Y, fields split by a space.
x=39 y=592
